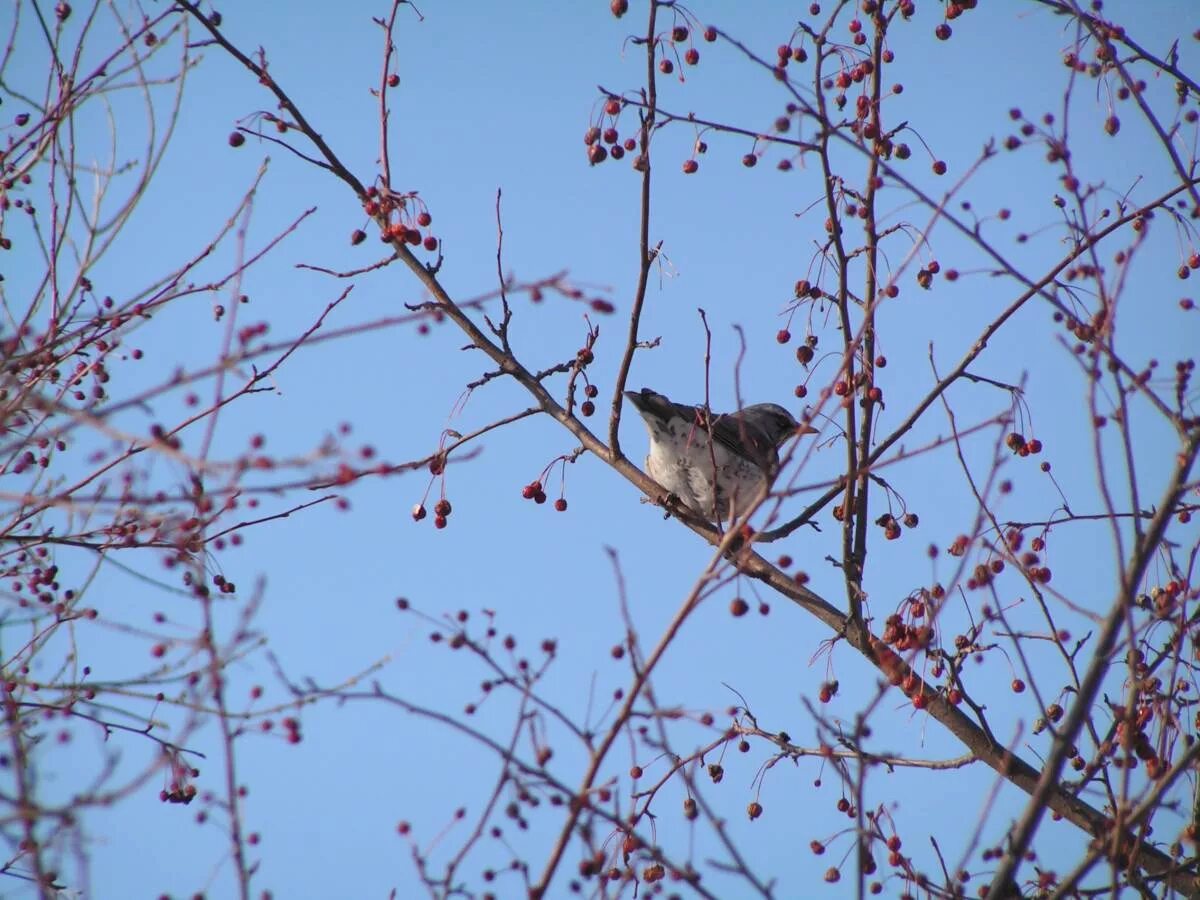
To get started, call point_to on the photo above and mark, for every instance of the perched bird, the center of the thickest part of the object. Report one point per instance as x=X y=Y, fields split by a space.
x=740 y=460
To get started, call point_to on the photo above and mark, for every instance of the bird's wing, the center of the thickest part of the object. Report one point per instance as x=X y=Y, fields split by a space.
x=741 y=437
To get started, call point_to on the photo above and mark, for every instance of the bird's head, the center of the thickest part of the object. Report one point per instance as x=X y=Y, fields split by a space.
x=774 y=421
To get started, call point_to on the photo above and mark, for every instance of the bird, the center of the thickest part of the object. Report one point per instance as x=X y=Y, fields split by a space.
x=741 y=459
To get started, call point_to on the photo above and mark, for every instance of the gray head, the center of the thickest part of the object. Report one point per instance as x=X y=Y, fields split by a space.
x=775 y=422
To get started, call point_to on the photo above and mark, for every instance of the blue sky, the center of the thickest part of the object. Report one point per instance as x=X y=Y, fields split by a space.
x=495 y=99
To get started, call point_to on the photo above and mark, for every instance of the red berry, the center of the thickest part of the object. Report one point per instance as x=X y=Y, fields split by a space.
x=739 y=607
x=749 y=160
x=587 y=407
x=939 y=167
x=236 y=139
x=783 y=336
x=692 y=56
x=424 y=219
x=1018 y=686
x=619 y=7
x=561 y=504
x=666 y=66
x=393 y=80
x=439 y=522
x=597 y=154
x=710 y=34
x=430 y=243
x=942 y=32
x=357 y=236
x=690 y=167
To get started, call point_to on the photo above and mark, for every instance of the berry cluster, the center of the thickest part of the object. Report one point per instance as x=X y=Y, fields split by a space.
x=400 y=216
x=534 y=491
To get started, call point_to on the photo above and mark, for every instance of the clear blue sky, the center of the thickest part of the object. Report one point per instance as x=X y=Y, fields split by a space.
x=499 y=97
